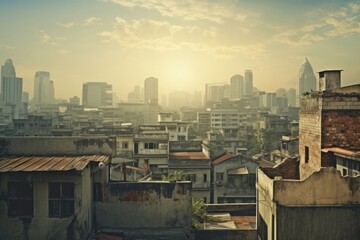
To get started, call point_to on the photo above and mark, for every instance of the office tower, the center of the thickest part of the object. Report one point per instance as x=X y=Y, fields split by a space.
x=43 y=88
x=248 y=83
x=97 y=94
x=281 y=92
x=291 y=96
x=307 y=79
x=151 y=91
x=11 y=86
x=134 y=95
x=237 y=86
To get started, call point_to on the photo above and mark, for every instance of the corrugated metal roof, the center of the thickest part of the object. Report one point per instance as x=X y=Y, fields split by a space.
x=343 y=151
x=239 y=171
x=49 y=163
x=188 y=156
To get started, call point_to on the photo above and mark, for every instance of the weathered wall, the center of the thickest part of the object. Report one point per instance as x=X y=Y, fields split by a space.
x=311 y=223
x=225 y=234
x=146 y=209
x=40 y=226
x=324 y=187
x=310 y=134
x=56 y=145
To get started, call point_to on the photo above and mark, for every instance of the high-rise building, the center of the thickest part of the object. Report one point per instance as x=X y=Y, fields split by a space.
x=248 y=83
x=43 y=88
x=237 y=86
x=134 y=95
x=151 y=91
x=11 y=86
x=291 y=96
x=307 y=79
x=74 y=100
x=97 y=94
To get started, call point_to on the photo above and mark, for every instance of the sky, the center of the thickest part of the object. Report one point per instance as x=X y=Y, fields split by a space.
x=183 y=43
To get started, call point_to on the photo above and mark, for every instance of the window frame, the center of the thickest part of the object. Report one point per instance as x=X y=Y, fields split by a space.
x=18 y=199
x=63 y=205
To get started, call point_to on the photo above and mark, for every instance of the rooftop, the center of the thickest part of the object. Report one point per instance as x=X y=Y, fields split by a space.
x=223 y=158
x=188 y=156
x=49 y=163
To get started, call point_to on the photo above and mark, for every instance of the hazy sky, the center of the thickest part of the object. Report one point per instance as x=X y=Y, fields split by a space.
x=184 y=43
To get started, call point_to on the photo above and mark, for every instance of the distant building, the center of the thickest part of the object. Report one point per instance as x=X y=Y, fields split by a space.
x=11 y=86
x=74 y=100
x=97 y=94
x=178 y=99
x=237 y=86
x=248 y=83
x=135 y=95
x=291 y=96
x=151 y=91
x=307 y=79
x=43 y=88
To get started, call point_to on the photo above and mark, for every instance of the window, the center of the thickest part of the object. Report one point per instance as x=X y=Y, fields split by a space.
x=20 y=199
x=219 y=176
x=125 y=145
x=306 y=154
x=205 y=177
x=61 y=199
x=151 y=146
x=191 y=177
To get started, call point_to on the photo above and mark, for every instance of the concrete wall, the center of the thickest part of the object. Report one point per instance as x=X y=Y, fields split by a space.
x=56 y=145
x=225 y=234
x=146 y=210
x=311 y=223
x=40 y=226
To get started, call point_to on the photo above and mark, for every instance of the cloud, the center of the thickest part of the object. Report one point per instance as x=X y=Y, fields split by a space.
x=162 y=35
x=191 y=10
x=66 y=25
x=91 y=20
x=341 y=23
x=4 y=46
x=47 y=39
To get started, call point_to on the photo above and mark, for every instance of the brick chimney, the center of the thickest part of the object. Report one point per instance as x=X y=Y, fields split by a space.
x=329 y=80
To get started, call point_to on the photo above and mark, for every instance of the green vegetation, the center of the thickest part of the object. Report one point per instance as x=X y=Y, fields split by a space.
x=198 y=213
x=174 y=177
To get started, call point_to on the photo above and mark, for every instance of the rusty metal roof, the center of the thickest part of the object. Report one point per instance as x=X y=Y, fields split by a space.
x=222 y=158
x=188 y=156
x=346 y=152
x=49 y=163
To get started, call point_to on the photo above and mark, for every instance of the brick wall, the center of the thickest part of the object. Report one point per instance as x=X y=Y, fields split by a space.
x=341 y=129
x=288 y=169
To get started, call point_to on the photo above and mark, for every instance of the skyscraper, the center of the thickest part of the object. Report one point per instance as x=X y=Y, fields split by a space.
x=307 y=79
x=237 y=86
x=11 y=86
x=248 y=83
x=134 y=95
x=291 y=96
x=151 y=95
x=43 y=88
x=97 y=94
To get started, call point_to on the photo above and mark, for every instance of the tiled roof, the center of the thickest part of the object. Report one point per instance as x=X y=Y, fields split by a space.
x=223 y=158
x=48 y=163
x=188 y=156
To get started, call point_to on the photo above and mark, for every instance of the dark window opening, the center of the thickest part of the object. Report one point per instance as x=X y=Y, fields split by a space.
x=97 y=192
x=205 y=177
x=306 y=154
x=61 y=200
x=20 y=199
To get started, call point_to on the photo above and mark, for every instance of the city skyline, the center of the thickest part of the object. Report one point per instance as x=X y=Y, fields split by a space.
x=184 y=45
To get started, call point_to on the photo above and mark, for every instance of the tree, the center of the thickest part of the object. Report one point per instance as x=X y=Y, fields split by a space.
x=198 y=213
x=174 y=176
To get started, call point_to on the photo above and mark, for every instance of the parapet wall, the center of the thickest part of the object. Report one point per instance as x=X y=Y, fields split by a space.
x=56 y=146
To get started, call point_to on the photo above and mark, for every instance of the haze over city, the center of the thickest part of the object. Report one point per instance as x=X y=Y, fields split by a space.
x=184 y=44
